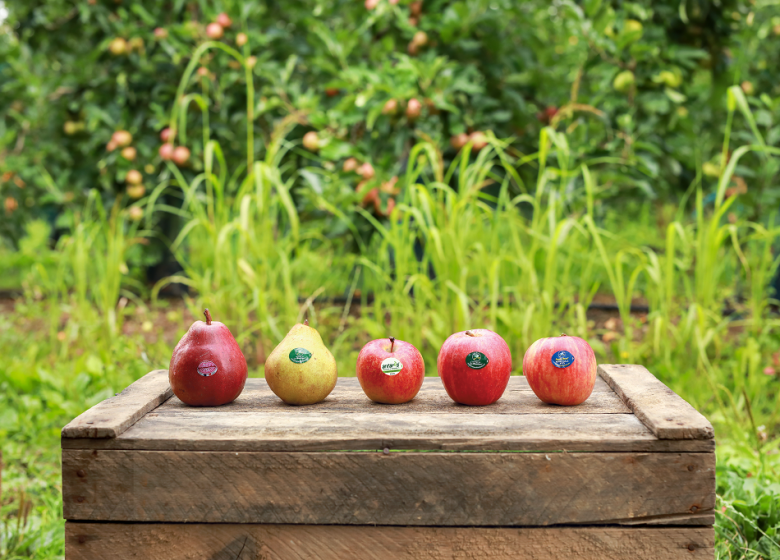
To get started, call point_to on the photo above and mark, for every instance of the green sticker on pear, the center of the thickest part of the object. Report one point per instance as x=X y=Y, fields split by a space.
x=299 y=355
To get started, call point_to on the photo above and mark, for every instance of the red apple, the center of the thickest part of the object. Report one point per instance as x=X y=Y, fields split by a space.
x=214 y=31
x=207 y=367
x=224 y=20
x=181 y=154
x=166 y=151
x=166 y=134
x=561 y=369
x=475 y=366
x=311 y=141
x=390 y=371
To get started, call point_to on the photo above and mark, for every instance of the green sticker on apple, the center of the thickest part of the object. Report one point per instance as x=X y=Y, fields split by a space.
x=299 y=355
x=476 y=360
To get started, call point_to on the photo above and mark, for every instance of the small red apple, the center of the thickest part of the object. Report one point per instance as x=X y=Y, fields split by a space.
x=413 y=109
x=475 y=366
x=166 y=134
x=166 y=151
x=241 y=39
x=390 y=107
x=134 y=177
x=366 y=171
x=311 y=141
x=136 y=191
x=207 y=367
x=332 y=92
x=224 y=20
x=129 y=153
x=214 y=31
x=459 y=140
x=390 y=371
x=122 y=138
x=420 y=38
x=181 y=154
x=415 y=8
x=479 y=140
x=160 y=33
x=561 y=369
x=136 y=213
x=350 y=165
x=118 y=46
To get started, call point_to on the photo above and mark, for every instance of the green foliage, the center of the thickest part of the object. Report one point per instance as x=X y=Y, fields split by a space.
x=638 y=87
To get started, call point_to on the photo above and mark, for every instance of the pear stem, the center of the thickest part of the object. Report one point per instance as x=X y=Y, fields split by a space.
x=469 y=333
x=208 y=316
x=392 y=343
x=306 y=322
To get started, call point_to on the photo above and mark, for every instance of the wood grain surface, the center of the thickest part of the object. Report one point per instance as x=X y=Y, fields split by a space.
x=404 y=488
x=667 y=414
x=213 y=430
x=110 y=541
x=113 y=416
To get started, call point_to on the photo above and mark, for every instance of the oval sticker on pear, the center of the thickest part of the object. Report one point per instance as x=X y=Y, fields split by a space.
x=299 y=355
x=476 y=360
x=207 y=368
x=391 y=366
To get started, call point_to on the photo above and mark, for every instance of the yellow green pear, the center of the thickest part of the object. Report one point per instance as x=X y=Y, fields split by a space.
x=301 y=370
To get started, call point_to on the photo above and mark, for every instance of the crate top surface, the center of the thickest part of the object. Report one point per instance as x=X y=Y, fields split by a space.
x=629 y=410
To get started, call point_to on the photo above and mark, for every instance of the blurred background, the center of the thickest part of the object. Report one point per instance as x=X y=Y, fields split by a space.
x=387 y=167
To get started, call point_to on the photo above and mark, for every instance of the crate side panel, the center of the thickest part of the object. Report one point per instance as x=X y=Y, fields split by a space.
x=450 y=489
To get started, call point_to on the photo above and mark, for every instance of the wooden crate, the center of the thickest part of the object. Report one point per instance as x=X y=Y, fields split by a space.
x=628 y=474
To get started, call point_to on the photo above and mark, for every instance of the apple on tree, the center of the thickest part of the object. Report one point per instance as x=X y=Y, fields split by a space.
x=475 y=366
x=561 y=370
x=390 y=371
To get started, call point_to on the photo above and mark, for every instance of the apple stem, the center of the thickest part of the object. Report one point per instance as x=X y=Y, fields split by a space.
x=563 y=334
x=469 y=333
x=392 y=343
x=306 y=322
x=208 y=316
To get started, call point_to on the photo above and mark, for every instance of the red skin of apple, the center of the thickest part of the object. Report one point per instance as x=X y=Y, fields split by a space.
x=475 y=387
x=566 y=386
x=207 y=344
x=390 y=389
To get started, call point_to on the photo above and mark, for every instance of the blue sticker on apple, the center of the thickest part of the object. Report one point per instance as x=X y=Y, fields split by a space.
x=562 y=359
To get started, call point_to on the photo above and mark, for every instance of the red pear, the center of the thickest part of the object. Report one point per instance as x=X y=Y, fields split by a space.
x=207 y=367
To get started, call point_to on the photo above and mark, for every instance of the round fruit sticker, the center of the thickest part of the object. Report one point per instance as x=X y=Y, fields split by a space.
x=476 y=360
x=299 y=355
x=391 y=366
x=562 y=359
x=207 y=368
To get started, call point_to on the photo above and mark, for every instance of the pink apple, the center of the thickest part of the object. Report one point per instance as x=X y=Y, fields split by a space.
x=390 y=371
x=475 y=366
x=561 y=369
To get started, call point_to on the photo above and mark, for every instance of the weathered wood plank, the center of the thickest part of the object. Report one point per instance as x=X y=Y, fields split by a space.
x=212 y=430
x=113 y=416
x=109 y=541
x=432 y=399
x=444 y=489
x=667 y=414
